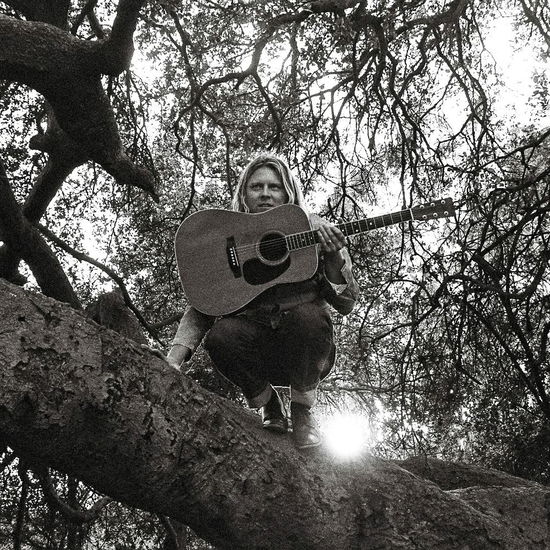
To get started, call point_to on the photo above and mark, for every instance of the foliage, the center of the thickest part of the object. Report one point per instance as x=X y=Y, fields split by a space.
x=373 y=103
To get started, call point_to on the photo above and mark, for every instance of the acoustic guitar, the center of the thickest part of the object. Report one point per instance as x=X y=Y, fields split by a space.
x=226 y=259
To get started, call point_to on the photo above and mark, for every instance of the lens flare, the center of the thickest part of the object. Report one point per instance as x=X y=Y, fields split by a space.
x=346 y=434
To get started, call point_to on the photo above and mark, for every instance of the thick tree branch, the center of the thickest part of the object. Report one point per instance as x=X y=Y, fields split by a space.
x=148 y=436
x=64 y=155
x=23 y=240
x=119 y=46
x=452 y=475
x=49 y=11
x=67 y=72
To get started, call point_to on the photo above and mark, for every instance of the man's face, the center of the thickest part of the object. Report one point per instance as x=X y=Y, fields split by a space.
x=264 y=190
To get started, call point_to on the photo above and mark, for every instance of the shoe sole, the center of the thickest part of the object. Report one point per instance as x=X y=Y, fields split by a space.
x=275 y=428
x=310 y=446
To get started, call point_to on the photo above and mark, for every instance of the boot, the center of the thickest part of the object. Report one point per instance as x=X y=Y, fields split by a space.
x=274 y=415
x=304 y=428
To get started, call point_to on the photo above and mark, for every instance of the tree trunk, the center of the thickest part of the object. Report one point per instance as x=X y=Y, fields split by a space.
x=80 y=398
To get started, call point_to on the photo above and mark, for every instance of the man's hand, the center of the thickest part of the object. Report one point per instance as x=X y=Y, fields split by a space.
x=332 y=241
x=154 y=351
x=178 y=355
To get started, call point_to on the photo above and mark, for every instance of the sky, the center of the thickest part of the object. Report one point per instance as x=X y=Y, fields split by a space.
x=517 y=63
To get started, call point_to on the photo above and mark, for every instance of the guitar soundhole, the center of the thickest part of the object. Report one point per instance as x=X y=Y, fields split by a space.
x=273 y=248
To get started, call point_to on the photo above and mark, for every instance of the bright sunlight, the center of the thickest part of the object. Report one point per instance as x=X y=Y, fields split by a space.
x=347 y=435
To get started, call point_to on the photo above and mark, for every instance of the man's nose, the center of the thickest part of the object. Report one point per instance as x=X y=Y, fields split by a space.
x=265 y=191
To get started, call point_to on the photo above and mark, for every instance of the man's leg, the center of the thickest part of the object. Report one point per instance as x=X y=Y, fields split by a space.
x=232 y=343
x=237 y=347
x=308 y=346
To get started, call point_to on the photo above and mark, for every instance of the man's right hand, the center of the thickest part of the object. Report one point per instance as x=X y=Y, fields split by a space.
x=178 y=355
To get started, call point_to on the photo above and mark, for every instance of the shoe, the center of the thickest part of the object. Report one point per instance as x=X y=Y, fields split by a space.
x=274 y=415
x=304 y=428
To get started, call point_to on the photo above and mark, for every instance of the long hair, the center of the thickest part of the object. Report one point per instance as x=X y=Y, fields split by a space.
x=292 y=188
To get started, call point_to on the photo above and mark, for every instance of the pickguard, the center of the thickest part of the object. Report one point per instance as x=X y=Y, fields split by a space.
x=255 y=272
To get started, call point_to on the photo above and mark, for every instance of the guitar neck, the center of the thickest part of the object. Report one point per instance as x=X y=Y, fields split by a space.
x=296 y=241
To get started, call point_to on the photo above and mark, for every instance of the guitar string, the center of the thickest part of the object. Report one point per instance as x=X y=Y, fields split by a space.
x=273 y=244
x=286 y=239
x=368 y=223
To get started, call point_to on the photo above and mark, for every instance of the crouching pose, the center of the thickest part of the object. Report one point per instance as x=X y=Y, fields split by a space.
x=285 y=336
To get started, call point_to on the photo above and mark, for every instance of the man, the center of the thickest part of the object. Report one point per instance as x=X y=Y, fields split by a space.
x=285 y=336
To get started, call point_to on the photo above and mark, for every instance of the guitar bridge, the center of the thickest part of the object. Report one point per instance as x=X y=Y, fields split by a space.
x=233 y=257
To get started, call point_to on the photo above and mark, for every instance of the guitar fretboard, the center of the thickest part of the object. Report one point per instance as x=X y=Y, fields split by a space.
x=296 y=241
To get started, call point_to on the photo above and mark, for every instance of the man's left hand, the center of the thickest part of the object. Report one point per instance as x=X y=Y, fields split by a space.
x=331 y=238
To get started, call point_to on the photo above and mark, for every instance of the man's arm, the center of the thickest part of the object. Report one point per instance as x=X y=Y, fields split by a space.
x=334 y=262
x=337 y=266
x=344 y=295
x=178 y=355
x=191 y=330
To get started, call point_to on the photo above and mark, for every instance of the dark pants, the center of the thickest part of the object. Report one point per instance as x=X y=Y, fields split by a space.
x=254 y=356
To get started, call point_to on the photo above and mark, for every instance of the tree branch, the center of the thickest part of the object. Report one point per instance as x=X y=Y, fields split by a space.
x=67 y=72
x=68 y=512
x=21 y=510
x=118 y=48
x=110 y=272
x=22 y=240
x=150 y=437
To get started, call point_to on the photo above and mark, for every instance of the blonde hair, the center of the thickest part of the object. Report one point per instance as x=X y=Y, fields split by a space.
x=292 y=188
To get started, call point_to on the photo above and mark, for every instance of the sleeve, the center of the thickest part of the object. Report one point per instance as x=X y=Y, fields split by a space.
x=192 y=328
x=342 y=297
x=346 y=272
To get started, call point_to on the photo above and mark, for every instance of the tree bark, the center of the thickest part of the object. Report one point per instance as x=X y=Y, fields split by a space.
x=80 y=398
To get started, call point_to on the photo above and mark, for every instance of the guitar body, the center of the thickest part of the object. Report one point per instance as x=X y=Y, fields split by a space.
x=226 y=259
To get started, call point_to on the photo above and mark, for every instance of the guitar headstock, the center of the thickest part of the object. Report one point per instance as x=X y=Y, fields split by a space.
x=433 y=210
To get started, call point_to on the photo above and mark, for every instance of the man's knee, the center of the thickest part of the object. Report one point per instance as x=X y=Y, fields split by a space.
x=231 y=335
x=220 y=337
x=311 y=322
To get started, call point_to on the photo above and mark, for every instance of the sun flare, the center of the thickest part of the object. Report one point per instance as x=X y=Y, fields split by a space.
x=346 y=434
